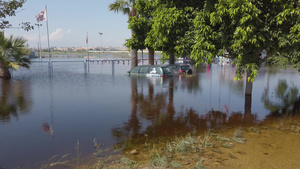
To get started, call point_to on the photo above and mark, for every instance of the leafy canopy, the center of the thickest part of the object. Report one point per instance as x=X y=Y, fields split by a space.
x=245 y=29
x=8 y=8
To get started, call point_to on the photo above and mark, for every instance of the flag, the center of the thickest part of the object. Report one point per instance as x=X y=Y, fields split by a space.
x=41 y=16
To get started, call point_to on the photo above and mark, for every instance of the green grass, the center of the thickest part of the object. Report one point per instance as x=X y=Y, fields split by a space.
x=179 y=152
x=158 y=161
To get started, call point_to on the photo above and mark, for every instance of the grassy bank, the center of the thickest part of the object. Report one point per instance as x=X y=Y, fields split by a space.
x=272 y=144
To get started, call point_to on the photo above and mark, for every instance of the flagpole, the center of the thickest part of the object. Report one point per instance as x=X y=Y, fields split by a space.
x=87 y=49
x=48 y=36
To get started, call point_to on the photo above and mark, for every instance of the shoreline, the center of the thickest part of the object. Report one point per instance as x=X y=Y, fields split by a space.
x=270 y=144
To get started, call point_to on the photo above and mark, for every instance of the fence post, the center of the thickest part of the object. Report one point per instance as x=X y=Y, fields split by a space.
x=84 y=67
x=50 y=68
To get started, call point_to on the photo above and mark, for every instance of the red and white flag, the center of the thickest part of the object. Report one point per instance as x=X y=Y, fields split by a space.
x=41 y=16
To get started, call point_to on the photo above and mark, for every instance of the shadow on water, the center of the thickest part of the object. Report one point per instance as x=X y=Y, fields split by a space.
x=14 y=99
x=157 y=110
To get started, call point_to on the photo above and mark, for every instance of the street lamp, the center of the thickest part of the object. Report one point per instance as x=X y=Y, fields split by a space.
x=100 y=33
x=39 y=44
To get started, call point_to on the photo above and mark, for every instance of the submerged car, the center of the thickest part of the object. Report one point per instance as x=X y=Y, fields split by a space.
x=181 y=69
x=151 y=71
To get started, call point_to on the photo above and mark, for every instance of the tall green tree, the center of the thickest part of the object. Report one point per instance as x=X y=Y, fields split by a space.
x=244 y=29
x=289 y=20
x=172 y=27
x=12 y=55
x=127 y=7
x=141 y=25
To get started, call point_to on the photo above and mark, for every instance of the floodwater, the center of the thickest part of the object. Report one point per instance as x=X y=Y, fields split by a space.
x=49 y=115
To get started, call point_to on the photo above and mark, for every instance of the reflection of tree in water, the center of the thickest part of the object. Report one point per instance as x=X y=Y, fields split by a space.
x=191 y=83
x=162 y=120
x=14 y=99
x=284 y=101
x=132 y=127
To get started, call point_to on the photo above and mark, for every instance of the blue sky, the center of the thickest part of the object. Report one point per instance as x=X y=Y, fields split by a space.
x=69 y=22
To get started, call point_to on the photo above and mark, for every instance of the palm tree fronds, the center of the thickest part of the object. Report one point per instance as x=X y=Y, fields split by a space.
x=120 y=5
x=12 y=54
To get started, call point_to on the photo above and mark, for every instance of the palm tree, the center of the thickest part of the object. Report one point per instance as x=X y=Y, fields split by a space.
x=12 y=55
x=127 y=7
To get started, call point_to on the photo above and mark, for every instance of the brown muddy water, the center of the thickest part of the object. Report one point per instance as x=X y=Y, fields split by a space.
x=53 y=119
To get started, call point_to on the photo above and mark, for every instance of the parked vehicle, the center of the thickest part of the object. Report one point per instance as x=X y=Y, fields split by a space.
x=151 y=71
x=181 y=69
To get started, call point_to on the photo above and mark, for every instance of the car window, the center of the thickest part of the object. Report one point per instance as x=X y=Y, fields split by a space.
x=158 y=70
x=172 y=67
x=135 y=70
x=144 y=70
x=185 y=67
x=166 y=70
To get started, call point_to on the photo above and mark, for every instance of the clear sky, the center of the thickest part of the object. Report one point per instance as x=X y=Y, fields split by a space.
x=69 y=21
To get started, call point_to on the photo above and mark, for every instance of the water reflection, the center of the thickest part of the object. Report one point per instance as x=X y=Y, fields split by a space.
x=283 y=101
x=47 y=128
x=157 y=111
x=191 y=83
x=14 y=99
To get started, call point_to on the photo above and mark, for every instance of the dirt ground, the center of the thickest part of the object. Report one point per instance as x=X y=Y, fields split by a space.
x=270 y=145
x=275 y=144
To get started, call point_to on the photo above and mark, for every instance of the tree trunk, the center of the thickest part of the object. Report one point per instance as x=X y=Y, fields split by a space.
x=4 y=72
x=134 y=61
x=133 y=55
x=248 y=90
x=248 y=104
x=151 y=57
x=133 y=52
x=172 y=59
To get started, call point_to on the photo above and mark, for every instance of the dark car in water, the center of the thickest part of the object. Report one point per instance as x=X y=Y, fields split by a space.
x=151 y=71
x=178 y=69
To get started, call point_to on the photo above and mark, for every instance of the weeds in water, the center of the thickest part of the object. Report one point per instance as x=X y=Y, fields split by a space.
x=98 y=148
x=77 y=152
x=59 y=162
x=158 y=162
